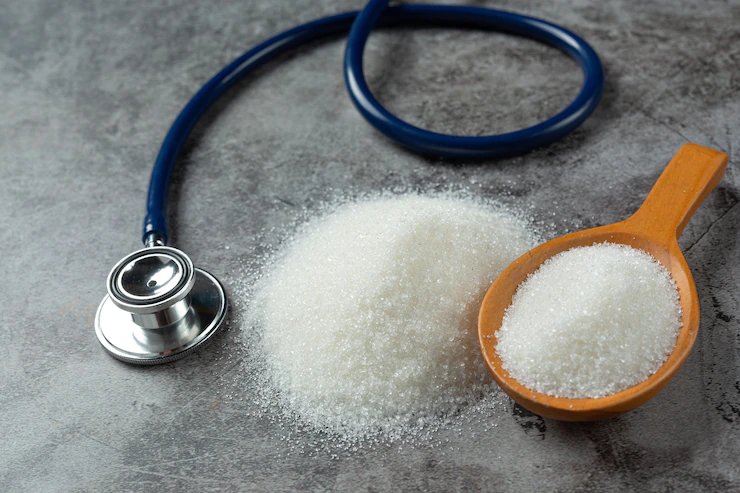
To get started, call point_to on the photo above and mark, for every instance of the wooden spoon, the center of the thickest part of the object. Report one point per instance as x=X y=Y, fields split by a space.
x=692 y=173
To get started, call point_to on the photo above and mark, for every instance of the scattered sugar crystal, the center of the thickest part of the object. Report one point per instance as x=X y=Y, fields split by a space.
x=590 y=322
x=368 y=318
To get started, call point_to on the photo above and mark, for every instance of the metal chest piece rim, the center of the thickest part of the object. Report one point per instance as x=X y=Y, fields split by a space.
x=159 y=307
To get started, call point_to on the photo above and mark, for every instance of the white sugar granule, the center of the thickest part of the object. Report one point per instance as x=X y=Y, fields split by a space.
x=590 y=322
x=368 y=319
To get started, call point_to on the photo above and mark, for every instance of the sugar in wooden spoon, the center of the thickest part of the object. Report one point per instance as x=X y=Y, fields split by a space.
x=692 y=173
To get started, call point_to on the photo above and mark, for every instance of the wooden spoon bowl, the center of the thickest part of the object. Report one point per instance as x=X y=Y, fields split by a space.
x=655 y=228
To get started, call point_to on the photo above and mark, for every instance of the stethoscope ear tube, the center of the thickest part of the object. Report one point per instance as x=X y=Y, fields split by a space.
x=491 y=146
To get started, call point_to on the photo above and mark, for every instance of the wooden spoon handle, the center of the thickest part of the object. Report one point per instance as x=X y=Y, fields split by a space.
x=684 y=184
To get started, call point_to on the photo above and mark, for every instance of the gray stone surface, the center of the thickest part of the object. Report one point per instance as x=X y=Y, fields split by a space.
x=89 y=89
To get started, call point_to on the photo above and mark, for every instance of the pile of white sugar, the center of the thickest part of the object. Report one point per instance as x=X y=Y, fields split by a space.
x=368 y=319
x=590 y=322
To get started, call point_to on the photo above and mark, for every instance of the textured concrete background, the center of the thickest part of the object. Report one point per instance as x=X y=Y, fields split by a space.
x=88 y=92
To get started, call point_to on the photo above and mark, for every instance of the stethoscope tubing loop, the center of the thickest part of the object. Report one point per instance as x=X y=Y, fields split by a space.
x=360 y=24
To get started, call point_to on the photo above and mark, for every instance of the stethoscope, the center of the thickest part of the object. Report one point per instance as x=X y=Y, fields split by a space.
x=159 y=307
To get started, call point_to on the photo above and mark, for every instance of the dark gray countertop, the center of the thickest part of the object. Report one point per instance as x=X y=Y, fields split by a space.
x=89 y=90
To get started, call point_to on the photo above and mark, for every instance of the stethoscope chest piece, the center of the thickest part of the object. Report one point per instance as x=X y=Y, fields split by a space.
x=159 y=308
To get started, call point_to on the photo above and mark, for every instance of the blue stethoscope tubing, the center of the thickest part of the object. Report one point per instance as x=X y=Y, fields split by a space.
x=360 y=24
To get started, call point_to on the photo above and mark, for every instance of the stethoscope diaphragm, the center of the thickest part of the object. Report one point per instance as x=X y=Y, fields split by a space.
x=159 y=307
